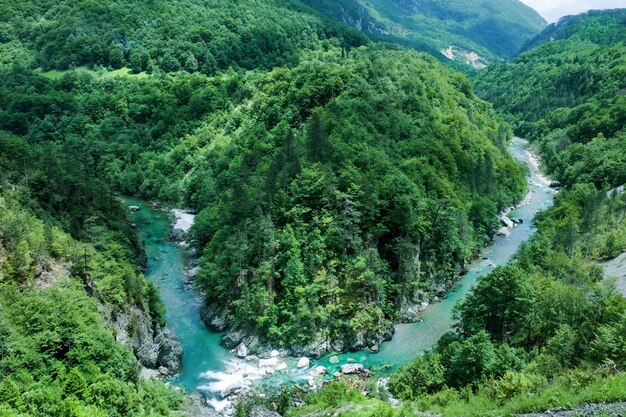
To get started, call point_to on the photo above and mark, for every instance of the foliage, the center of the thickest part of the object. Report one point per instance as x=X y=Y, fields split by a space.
x=56 y=355
x=547 y=331
x=159 y=35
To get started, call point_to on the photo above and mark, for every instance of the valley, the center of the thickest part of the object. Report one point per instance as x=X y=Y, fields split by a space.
x=359 y=232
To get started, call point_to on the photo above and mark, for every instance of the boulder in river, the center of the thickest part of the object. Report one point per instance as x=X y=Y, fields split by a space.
x=133 y=208
x=334 y=360
x=318 y=371
x=507 y=222
x=504 y=232
x=242 y=350
x=556 y=184
x=355 y=369
x=304 y=362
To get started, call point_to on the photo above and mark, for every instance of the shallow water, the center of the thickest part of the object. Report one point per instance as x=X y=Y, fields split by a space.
x=210 y=368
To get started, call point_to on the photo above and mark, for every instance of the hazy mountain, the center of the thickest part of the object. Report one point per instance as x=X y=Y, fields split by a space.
x=490 y=28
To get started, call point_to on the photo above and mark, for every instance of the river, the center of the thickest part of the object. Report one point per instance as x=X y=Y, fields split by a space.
x=209 y=368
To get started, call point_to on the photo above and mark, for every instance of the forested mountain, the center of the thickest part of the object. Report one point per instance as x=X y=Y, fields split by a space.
x=190 y=35
x=548 y=324
x=569 y=95
x=548 y=330
x=490 y=28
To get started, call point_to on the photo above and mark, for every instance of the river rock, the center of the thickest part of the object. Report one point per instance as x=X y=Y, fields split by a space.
x=318 y=371
x=192 y=272
x=281 y=366
x=215 y=318
x=133 y=208
x=260 y=411
x=274 y=353
x=355 y=369
x=269 y=371
x=504 y=232
x=232 y=338
x=242 y=350
x=230 y=391
x=556 y=184
x=507 y=222
x=304 y=362
x=334 y=360
x=264 y=363
x=518 y=220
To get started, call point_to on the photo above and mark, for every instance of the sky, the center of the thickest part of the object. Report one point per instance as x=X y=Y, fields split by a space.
x=552 y=10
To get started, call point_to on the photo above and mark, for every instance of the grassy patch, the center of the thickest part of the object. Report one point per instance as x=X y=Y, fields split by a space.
x=121 y=72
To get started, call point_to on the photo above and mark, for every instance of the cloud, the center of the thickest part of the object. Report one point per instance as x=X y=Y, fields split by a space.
x=552 y=10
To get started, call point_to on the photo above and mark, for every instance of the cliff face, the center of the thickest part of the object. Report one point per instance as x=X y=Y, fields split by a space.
x=155 y=347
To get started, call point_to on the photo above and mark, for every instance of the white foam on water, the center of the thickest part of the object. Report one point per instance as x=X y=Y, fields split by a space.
x=184 y=220
x=237 y=374
x=218 y=405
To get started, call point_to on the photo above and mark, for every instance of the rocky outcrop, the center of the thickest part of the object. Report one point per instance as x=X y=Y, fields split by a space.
x=616 y=269
x=260 y=411
x=155 y=347
x=170 y=350
x=411 y=307
x=215 y=318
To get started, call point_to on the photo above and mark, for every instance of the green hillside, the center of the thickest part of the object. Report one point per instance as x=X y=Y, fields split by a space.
x=568 y=94
x=547 y=331
x=491 y=28
x=189 y=35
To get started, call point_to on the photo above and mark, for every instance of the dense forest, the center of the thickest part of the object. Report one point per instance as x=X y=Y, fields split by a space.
x=336 y=180
x=188 y=35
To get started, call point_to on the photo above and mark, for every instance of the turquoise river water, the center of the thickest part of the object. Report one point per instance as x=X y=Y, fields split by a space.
x=209 y=368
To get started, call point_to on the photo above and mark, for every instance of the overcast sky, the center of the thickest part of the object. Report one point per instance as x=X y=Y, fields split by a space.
x=552 y=10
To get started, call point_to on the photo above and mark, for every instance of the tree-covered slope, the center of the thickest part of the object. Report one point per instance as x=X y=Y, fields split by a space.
x=547 y=331
x=569 y=94
x=329 y=193
x=600 y=27
x=490 y=28
x=61 y=298
x=190 y=35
